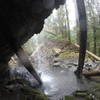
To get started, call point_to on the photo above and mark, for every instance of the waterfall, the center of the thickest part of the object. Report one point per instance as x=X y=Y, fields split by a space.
x=37 y=51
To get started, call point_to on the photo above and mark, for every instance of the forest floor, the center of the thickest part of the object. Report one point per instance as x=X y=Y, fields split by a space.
x=56 y=61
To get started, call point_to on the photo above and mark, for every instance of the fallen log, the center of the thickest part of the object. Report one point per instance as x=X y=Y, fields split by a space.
x=89 y=74
x=90 y=53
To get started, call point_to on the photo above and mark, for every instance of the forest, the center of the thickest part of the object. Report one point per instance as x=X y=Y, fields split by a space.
x=64 y=24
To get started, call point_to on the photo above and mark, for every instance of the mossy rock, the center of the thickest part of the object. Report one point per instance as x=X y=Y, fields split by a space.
x=96 y=91
x=29 y=91
x=80 y=93
x=69 y=54
x=41 y=97
x=85 y=95
x=97 y=85
x=70 y=98
x=97 y=94
x=32 y=93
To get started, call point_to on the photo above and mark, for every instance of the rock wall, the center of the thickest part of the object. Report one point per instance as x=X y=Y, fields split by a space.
x=19 y=20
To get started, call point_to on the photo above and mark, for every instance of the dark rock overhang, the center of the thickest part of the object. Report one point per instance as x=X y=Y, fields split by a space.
x=20 y=20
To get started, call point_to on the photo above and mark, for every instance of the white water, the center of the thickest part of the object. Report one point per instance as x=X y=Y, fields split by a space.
x=37 y=47
x=40 y=58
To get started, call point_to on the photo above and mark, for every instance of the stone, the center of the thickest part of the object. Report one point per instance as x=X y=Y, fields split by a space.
x=56 y=64
x=20 y=20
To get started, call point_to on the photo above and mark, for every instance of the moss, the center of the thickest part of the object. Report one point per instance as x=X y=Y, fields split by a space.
x=96 y=91
x=69 y=54
x=70 y=98
x=97 y=94
x=41 y=97
x=97 y=86
x=32 y=93
x=29 y=91
x=88 y=97
x=83 y=94
x=80 y=93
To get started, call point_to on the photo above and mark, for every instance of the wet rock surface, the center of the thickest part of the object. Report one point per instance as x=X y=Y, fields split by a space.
x=22 y=74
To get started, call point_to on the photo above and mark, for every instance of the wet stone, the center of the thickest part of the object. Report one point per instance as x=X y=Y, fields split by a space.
x=56 y=64
x=23 y=74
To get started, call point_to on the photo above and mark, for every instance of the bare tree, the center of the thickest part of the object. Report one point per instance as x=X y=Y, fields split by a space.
x=68 y=26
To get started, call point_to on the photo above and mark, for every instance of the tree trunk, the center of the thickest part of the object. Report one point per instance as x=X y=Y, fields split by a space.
x=68 y=26
x=99 y=51
x=88 y=45
x=94 y=73
x=77 y=30
x=66 y=34
x=83 y=35
x=94 y=39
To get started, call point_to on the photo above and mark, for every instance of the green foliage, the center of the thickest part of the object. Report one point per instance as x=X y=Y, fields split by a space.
x=93 y=18
x=32 y=93
x=56 y=23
